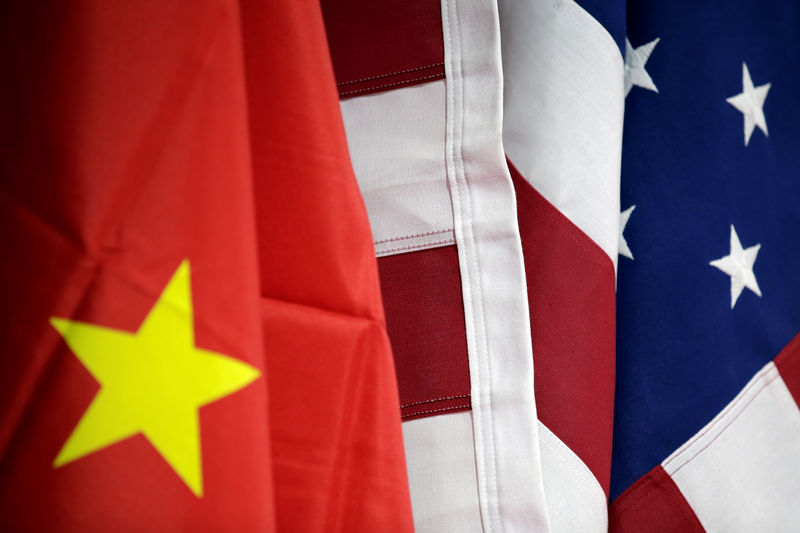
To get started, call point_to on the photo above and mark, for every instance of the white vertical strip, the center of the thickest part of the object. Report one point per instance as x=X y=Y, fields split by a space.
x=490 y=258
x=564 y=105
x=741 y=472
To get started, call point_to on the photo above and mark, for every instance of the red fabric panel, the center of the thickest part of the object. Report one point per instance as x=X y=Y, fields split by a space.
x=571 y=299
x=654 y=503
x=788 y=363
x=123 y=151
x=378 y=45
x=425 y=319
x=338 y=457
x=298 y=141
x=350 y=479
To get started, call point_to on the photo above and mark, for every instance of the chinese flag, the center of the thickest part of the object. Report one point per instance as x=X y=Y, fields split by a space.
x=133 y=389
x=191 y=328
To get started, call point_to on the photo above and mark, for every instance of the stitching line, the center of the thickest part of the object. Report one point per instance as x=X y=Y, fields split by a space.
x=566 y=228
x=404 y=82
x=483 y=354
x=563 y=224
x=452 y=43
x=730 y=423
x=569 y=229
x=449 y=230
x=417 y=246
x=343 y=83
x=720 y=417
x=566 y=462
x=649 y=487
x=641 y=495
x=435 y=400
x=435 y=411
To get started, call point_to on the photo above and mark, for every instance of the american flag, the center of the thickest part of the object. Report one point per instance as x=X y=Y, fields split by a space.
x=653 y=148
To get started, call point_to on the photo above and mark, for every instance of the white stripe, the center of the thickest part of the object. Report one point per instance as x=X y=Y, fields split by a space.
x=575 y=500
x=564 y=104
x=440 y=458
x=741 y=472
x=396 y=142
x=490 y=259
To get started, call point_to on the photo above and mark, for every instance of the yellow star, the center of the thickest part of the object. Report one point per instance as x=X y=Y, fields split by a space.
x=152 y=382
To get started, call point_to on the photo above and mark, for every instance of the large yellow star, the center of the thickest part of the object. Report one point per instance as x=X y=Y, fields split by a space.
x=152 y=382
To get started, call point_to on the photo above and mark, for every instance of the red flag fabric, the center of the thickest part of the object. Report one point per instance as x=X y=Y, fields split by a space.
x=193 y=334
x=125 y=154
x=336 y=437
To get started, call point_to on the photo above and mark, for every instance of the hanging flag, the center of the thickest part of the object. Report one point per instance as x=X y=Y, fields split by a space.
x=194 y=337
x=703 y=429
x=133 y=370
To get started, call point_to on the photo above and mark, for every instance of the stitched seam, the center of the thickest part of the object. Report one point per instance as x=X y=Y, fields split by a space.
x=585 y=21
x=414 y=236
x=594 y=256
x=472 y=251
x=652 y=487
x=719 y=418
x=452 y=43
x=599 y=258
x=634 y=503
x=730 y=423
x=404 y=82
x=466 y=273
x=435 y=400
x=417 y=246
x=435 y=411
x=692 y=522
x=569 y=464
x=343 y=83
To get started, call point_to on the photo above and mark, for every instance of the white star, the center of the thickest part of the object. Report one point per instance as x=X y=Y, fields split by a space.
x=739 y=266
x=751 y=103
x=635 y=60
x=623 y=221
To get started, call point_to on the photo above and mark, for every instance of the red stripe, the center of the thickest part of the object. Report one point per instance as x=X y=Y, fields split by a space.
x=384 y=44
x=572 y=305
x=425 y=320
x=788 y=363
x=654 y=503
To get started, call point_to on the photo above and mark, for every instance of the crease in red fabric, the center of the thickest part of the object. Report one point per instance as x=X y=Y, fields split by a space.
x=339 y=462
